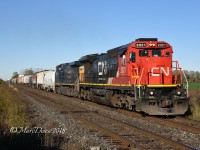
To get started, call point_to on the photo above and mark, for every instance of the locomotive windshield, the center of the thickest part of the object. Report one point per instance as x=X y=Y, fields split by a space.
x=156 y=53
x=152 y=52
x=167 y=54
x=143 y=53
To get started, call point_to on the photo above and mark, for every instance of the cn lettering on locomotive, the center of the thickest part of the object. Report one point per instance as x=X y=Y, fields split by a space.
x=161 y=70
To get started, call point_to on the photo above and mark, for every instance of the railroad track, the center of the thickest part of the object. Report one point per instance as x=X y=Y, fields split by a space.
x=187 y=121
x=185 y=124
x=168 y=122
x=121 y=140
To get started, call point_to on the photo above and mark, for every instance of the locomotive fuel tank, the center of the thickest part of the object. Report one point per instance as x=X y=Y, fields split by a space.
x=105 y=97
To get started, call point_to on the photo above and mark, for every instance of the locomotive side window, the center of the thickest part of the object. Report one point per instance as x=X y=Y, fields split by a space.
x=143 y=53
x=156 y=53
x=167 y=54
x=123 y=60
x=132 y=57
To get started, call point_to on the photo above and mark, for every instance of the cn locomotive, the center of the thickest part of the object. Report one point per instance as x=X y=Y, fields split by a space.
x=138 y=76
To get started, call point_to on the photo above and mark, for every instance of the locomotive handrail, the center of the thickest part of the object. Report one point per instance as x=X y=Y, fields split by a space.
x=141 y=75
x=177 y=64
x=186 y=87
x=140 y=81
x=185 y=80
x=76 y=84
x=177 y=68
x=136 y=75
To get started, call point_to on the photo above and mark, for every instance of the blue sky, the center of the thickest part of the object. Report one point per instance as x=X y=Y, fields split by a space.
x=46 y=33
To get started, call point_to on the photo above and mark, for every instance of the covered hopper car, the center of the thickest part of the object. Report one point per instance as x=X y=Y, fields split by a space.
x=49 y=80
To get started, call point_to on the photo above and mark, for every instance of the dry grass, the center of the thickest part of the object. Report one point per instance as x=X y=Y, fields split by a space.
x=13 y=110
x=195 y=104
x=13 y=113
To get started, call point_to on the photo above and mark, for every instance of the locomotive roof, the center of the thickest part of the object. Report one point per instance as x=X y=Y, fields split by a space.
x=123 y=49
x=75 y=63
x=118 y=50
x=90 y=57
x=41 y=71
x=147 y=39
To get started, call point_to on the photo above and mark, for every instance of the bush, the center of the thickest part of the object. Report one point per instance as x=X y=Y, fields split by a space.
x=195 y=104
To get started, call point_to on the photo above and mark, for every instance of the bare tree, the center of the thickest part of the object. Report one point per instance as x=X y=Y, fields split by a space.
x=27 y=71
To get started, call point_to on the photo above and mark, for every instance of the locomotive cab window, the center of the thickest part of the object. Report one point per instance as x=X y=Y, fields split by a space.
x=123 y=60
x=143 y=53
x=156 y=53
x=167 y=54
x=132 y=57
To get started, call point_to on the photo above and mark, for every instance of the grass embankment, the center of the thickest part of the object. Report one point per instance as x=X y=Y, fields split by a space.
x=194 y=92
x=13 y=110
x=14 y=113
x=195 y=104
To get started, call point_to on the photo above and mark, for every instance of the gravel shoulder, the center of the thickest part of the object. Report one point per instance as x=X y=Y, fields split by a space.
x=66 y=132
x=72 y=134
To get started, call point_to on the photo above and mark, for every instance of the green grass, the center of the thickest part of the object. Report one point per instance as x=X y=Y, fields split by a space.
x=194 y=86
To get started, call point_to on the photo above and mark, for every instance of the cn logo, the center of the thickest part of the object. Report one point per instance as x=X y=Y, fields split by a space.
x=102 y=68
x=155 y=71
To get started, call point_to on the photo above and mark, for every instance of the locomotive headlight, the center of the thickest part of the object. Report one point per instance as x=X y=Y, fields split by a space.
x=151 y=93
x=178 y=93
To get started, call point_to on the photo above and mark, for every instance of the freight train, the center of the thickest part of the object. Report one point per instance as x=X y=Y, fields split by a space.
x=44 y=80
x=139 y=76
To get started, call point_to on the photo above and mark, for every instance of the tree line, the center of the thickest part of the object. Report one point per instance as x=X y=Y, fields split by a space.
x=192 y=76
x=26 y=72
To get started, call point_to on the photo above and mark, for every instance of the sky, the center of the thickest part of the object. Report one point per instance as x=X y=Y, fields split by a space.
x=46 y=33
